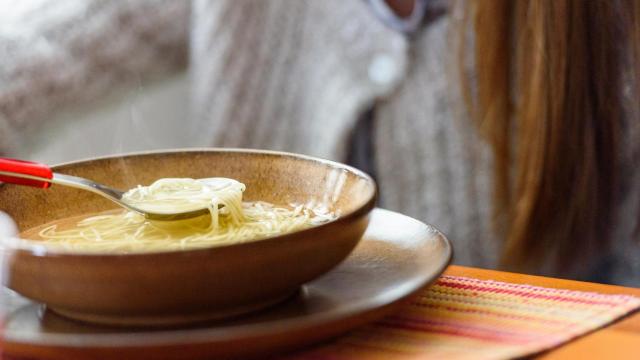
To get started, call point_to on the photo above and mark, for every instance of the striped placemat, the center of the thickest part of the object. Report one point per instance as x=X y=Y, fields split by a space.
x=464 y=318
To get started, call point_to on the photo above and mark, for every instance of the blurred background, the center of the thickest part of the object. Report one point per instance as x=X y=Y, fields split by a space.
x=89 y=78
x=512 y=126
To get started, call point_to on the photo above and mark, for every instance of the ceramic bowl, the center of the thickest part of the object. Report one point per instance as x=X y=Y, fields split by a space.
x=168 y=288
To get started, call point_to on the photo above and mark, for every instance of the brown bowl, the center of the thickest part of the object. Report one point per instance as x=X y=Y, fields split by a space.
x=184 y=286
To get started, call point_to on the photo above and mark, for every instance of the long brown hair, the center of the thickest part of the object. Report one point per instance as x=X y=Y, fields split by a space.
x=549 y=97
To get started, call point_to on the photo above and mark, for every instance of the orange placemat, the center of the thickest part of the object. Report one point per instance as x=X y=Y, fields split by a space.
x=464 y=318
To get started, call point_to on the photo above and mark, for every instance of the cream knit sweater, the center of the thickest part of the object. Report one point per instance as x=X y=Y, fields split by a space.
x=297 y=76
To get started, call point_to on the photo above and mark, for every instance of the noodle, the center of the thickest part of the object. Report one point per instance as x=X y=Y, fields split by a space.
x=230 y=220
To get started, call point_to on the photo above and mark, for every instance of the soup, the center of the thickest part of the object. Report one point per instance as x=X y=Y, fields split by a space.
x=230 y=220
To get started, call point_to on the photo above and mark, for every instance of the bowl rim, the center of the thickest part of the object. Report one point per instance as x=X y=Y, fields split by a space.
x=359 y=211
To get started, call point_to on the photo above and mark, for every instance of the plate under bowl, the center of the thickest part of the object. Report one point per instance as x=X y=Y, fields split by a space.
x=157 y=289
x=396 y=259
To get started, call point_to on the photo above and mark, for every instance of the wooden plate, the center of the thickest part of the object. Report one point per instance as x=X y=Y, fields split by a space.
x=397 y=257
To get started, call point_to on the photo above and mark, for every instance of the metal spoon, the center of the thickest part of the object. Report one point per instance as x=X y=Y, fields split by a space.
x=29 y=173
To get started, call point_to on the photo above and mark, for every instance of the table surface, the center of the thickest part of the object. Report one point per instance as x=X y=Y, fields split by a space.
x=619 y=340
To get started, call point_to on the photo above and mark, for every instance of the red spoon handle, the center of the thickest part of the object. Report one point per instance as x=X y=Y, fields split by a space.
x=21 y=167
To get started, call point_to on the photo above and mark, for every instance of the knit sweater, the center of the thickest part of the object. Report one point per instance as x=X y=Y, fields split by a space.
x=60 y=54
x=297 y=76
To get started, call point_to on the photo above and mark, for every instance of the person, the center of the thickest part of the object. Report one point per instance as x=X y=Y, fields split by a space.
x=509 y=125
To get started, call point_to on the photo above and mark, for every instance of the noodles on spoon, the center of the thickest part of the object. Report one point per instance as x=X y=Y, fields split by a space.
x=230 y=220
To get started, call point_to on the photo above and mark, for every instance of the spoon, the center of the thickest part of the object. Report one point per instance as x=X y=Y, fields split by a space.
x=29 y=173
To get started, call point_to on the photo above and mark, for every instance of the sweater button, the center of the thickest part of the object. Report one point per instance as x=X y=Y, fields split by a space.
x=383 y=69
